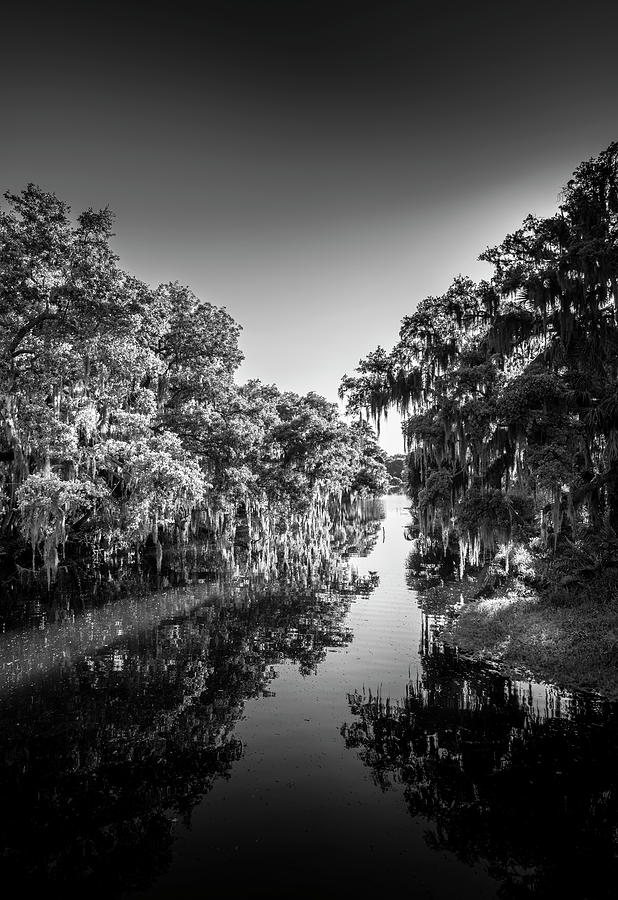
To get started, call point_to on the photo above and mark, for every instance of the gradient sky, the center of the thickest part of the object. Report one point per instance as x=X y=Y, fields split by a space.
x=316 y=167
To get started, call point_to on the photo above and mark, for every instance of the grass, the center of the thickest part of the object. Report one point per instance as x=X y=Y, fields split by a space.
x=571 y=641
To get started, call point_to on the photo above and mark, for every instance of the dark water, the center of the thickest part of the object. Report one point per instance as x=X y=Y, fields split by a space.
x=225 y=741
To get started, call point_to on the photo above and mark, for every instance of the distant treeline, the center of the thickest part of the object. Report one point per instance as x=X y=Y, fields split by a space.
x=509 y=389
x=120 y=420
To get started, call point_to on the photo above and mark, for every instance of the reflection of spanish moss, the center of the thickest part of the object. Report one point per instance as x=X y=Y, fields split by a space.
x=301 y=556
x=121 y=686
x=429 y=564
x=523 y=781
x=99 y=758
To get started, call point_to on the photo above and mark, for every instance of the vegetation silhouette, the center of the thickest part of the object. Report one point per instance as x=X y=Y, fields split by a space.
x=524 y=785
x=102 y=753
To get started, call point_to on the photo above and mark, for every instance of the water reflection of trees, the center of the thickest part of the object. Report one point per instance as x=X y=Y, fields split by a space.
x=429 y=564
x=120 y=695
x=100 y=757
x=26 y=599
x=521 y=779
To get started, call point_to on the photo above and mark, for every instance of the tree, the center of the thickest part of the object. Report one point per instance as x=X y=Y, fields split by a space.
x=510 y=386
x=121 y=420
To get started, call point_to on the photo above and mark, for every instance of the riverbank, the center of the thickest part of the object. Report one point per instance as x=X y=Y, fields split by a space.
x=571 y=641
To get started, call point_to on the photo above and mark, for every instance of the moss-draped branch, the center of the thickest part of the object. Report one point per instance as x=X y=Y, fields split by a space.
x=509 y=388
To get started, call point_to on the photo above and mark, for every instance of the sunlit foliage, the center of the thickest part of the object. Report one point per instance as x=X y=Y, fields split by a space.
x=120 y=421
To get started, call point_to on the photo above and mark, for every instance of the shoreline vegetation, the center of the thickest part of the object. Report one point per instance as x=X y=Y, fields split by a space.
x=524 y=634
x=508 y=389
x=122 y=429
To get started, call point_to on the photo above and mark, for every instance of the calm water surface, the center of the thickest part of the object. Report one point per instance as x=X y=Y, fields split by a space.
x=205 y=740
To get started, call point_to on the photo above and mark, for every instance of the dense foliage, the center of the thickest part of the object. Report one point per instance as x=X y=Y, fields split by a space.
x=120 y=421
x=509 y=387
x=395 y=466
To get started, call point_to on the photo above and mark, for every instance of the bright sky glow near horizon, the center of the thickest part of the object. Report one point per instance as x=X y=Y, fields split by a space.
x=317 y=168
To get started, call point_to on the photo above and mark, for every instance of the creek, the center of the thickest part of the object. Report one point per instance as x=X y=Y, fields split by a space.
x=218 y=737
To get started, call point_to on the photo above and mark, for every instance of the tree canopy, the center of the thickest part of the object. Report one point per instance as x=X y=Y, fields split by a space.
x=509 y=387
x=120 y=420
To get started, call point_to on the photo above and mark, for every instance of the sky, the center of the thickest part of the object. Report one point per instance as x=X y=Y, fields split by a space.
x=315 y=167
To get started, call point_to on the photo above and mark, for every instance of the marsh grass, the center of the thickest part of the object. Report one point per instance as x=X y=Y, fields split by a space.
x=569 y=640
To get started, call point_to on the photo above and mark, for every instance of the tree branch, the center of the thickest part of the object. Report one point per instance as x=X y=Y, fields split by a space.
x=26 y=329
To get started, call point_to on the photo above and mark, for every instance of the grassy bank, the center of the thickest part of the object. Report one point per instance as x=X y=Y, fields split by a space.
x=569 y=640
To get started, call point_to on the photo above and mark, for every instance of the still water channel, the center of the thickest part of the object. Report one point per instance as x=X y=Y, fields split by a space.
x=219 y=740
